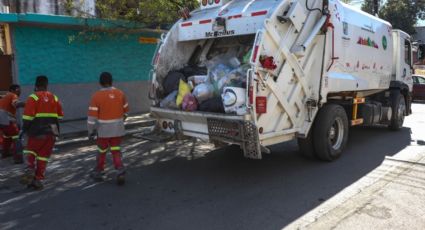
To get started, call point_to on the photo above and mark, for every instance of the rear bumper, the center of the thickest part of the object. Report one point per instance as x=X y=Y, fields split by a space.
x=193 y=124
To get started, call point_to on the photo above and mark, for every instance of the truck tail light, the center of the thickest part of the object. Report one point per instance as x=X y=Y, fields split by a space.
x=255 y=53
x=261 y=105
x=251 y=94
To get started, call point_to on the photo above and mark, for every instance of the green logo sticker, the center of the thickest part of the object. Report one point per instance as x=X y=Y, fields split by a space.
x=384 y=42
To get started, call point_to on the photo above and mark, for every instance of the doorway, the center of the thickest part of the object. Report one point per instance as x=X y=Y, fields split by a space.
x=6 y=77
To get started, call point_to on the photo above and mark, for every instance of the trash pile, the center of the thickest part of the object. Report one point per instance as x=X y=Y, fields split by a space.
x=219 y=86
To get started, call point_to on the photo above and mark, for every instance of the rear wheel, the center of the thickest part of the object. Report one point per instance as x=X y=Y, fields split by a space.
x=330 y=132
x=398 y=106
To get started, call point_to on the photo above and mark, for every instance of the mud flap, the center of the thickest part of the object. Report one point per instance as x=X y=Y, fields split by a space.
x=251 y=146
x=243 y=133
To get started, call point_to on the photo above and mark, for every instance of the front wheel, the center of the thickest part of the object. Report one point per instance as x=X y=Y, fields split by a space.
x=398 y=106
x=330 y=133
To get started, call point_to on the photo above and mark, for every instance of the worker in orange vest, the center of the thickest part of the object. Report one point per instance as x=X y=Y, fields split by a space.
x=8 y=125
x=107 y=112
x=41 y=117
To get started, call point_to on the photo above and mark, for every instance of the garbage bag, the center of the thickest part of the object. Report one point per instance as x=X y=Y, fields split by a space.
x=171 y=81
x=203 y=92
x=214 y=105
x=219 y=71
x=184 y=89
x=169 y=101
x=193 y=70
x=189 y=103
x=198 y=79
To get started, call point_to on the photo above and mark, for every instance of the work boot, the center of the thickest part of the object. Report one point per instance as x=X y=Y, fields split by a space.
x=37 y=185
x=121 y=177
x=28 y=177
x=98 y=176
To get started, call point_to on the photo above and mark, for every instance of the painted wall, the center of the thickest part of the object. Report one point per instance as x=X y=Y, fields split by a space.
x=73 y=67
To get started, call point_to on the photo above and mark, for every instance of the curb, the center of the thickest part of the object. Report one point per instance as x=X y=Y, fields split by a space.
x=81 y=136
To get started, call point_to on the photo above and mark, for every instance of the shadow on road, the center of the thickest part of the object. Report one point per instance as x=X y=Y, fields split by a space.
x=185 y=185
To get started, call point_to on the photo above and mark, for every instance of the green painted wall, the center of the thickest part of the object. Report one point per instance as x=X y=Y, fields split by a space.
x=48 y=51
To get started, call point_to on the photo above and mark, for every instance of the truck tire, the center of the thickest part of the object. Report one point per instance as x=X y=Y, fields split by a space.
x=306 y=146
x=398 y=106
x=330 y=133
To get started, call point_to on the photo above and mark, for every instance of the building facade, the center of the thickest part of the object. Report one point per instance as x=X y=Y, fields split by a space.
x=72 y=52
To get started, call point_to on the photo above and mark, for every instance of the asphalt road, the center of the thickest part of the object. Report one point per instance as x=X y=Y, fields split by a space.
x=191 y=185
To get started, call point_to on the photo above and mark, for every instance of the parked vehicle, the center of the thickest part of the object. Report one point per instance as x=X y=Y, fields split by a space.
x=315 y=68
x=418 y=87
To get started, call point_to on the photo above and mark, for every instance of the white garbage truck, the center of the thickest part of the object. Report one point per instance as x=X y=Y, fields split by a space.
x=311 y=70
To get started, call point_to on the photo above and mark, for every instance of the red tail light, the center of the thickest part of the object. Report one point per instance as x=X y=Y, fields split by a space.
x=217 y=1
x=261 y=105
x=255 y=53
x=251 y=94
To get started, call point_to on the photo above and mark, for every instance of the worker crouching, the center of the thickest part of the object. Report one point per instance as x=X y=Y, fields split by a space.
x=106 y=115
x=41 y=124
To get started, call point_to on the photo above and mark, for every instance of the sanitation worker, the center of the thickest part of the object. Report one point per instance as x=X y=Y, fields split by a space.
x=41 y=117
x=107 y=112
x=8 y=125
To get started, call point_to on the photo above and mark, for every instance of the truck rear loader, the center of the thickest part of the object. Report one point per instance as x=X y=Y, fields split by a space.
x=314 y=68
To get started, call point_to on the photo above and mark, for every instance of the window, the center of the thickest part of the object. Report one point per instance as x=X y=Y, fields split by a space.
x=407 y=52
x=421 y=80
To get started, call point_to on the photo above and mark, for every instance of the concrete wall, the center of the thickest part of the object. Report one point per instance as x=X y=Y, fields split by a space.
x=73 y=67
x=76 y=97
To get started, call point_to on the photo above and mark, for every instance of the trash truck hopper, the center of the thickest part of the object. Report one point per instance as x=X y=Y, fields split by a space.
x=238 y=17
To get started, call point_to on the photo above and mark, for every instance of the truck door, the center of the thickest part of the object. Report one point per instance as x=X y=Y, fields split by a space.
x=406 y=65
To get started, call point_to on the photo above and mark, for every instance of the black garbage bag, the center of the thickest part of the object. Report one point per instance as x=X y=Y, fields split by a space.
x=214 y=105
x=189 y=71
x=171 y=81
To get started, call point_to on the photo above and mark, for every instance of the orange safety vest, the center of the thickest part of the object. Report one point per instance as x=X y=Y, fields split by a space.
x=42 y=111
x=107 y=105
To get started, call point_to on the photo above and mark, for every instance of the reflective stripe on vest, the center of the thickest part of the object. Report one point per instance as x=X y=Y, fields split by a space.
x=46 y=115
x=35 y=97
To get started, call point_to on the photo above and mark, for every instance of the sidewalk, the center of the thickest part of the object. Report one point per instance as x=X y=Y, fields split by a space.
x=390 y=197
x=72 y=131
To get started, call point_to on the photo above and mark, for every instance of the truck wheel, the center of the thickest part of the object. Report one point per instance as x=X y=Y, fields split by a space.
x=398 y=106
x=330 y=132
x=306 y=146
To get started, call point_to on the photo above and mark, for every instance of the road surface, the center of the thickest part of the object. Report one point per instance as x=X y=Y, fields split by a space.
x=190 y=185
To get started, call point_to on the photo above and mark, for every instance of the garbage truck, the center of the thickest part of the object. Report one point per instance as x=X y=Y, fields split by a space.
x=304 y=70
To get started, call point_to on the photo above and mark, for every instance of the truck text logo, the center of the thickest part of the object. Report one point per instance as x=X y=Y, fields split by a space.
x=219 y=33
